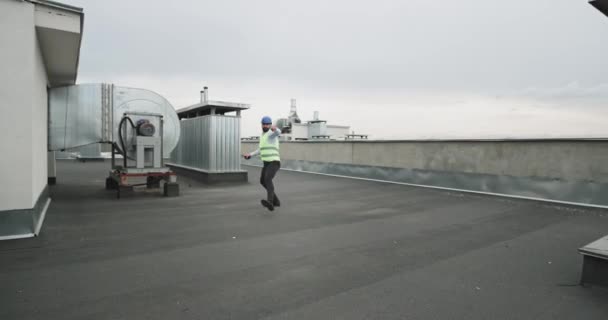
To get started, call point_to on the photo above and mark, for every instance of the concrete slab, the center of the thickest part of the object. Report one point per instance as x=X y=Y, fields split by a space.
x=595 y=263
x=597 y=248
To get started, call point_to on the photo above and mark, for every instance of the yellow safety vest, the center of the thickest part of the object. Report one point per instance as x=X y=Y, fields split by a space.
x=269 y=151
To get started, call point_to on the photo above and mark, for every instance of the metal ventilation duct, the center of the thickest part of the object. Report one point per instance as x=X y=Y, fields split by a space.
x=90 y=113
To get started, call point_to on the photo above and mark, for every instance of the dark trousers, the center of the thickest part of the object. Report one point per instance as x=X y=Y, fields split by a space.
x=268 y=172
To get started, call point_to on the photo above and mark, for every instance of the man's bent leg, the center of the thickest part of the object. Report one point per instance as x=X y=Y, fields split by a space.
x=271 y=171
x=262 y=179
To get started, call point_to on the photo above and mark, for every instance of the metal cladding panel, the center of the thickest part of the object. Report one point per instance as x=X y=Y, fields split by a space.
x=226 y=141
x=210 y=143
x=193 y=147
x=75 y=116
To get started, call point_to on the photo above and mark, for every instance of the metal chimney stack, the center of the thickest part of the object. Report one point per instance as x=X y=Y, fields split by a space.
x=205 y=95
x=316 y=116
x=293 y=115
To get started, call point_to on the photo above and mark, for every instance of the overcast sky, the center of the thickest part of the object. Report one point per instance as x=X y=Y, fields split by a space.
x=389 y=68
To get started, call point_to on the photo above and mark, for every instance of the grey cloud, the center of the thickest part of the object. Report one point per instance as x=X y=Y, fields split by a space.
x=349 y=57
x=420 y=44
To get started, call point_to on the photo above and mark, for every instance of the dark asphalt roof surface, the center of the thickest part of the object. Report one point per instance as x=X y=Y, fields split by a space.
x=337 y=249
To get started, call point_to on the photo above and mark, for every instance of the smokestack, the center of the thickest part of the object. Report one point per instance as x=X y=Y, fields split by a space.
x=205 y=95
x=293 y=115
x=316 y=116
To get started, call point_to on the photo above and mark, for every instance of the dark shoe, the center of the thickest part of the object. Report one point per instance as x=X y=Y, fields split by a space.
x=276 y=203
x=267 y=204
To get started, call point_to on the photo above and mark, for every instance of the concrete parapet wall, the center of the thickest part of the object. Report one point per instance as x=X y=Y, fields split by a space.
x=566 y=170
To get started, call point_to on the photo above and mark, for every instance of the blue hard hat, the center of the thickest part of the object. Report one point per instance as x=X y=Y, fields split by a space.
x=266 y=120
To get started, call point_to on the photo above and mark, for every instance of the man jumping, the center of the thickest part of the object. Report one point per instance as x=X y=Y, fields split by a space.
x=269 y=152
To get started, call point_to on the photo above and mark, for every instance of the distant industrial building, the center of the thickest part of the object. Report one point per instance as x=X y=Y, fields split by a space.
x=316 y=129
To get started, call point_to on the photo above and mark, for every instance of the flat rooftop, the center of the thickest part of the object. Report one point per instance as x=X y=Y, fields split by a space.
x=211 y=108
x=337 y=249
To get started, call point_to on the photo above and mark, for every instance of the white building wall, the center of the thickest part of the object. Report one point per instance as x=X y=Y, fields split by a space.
x=23 y=108
x=337 y=132
x=40 y=126
x=299 y=131
x=317 y=129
